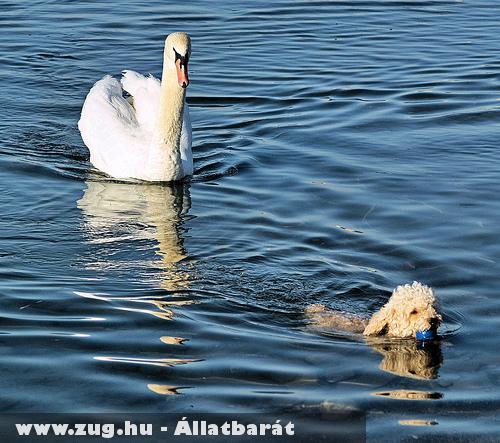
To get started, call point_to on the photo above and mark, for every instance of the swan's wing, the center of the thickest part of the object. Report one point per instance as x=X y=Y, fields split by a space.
x=186 y=140
x=110 y=129
x=146 y=97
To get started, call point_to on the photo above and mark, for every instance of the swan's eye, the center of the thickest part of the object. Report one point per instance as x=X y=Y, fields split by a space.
x=183 y=59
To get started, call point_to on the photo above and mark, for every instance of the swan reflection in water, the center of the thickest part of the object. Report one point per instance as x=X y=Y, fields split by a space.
x=115 y=214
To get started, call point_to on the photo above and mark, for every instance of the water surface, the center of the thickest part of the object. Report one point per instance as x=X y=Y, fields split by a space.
x=341 y=149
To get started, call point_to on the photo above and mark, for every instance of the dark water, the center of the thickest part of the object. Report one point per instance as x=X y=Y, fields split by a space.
x=341 y=148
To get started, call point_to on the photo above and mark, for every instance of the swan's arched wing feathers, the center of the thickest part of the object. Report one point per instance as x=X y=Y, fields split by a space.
x=109 y=126
x=146 y=96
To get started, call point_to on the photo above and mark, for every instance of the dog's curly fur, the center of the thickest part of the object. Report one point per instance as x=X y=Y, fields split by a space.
x=411 y=308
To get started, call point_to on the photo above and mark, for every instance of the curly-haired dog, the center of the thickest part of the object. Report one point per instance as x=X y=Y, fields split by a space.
x=412 y=311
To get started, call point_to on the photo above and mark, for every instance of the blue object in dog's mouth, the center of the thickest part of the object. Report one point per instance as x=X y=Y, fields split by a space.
x=428 y=334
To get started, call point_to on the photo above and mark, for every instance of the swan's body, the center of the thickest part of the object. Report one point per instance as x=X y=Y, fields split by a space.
x=146 y=136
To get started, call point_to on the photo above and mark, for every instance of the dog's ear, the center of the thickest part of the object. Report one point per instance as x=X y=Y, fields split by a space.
x=377 y=323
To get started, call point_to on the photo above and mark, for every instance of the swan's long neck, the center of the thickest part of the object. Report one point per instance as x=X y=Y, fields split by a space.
x=167 y=136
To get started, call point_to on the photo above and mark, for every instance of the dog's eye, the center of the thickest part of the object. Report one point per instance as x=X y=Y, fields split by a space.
x=414 y=311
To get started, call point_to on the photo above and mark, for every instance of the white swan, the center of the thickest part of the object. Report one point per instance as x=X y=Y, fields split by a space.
x=146 y=136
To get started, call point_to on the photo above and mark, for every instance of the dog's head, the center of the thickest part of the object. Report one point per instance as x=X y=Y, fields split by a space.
x=411 y=308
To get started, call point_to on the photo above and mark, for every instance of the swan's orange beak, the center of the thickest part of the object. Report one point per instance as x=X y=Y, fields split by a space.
x=182 y=73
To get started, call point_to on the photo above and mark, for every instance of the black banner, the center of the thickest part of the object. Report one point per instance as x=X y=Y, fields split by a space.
x=342 y=426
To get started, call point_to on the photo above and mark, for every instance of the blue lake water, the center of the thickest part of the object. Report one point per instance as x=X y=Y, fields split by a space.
x=341 y=148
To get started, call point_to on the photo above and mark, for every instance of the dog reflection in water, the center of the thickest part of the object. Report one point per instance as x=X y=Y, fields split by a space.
x=403 y=330
x=409 y=358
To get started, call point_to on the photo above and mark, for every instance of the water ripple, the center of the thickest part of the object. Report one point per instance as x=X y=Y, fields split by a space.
x=341 y=148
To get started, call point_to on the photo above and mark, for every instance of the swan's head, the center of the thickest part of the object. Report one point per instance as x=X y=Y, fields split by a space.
x=176 y=56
